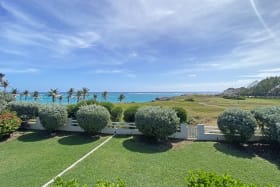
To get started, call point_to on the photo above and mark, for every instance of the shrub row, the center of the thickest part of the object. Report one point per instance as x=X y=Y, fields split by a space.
x=234 y=97
x=24 y=110
x=239 y=125
x=197 y=178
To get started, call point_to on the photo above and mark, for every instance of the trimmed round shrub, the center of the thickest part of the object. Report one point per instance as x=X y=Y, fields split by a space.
x=181 y=113
x=93 y=118
x=9 y=122
x=268 y=119
x=24 y=110
x=52 y=116
x=129 y=114
x=156 y=122
x=116 y=114
x=237 y=125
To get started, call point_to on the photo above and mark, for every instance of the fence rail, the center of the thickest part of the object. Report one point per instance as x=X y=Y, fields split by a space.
x=198 y=132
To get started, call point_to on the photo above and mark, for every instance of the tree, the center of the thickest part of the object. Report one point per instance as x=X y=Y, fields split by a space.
x=35 y=95
x=53 y=93
x=14 y=92
x=70 y=93
x=1 y=77
x=84 y=92
x=95 y=97
x=26 y=93
x=20 y=96
x=121 y=97
x=60 y=97
x=5 y=84
x=79 y=95
x=105 y=95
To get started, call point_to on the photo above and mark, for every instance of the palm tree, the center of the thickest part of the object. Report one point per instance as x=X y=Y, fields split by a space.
x=104 y=95
x=26 y=93
x=70 y=93
x=1 y=77
x=121 y=97
x=94 y=97
x=14 y=92
x=53 y=93
x=35 y=95
x=79 y=94
x=20 y=96
x=60 y=97
x=84 y=92
x=5 y=84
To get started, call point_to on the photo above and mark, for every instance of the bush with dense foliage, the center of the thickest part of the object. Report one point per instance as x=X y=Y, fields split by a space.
x=109 y=106
x=59 y=182
x=234 y=97
x=129 y=113
x=93 y=118
x=237 y=125
x=209 y=179
x=181 y=113
x=5 y=98
x=24 y=110
x=154 y=121
x=73 y=108
x=52 y=116
x=9 y=123
x=268 y=118
x=116 y=114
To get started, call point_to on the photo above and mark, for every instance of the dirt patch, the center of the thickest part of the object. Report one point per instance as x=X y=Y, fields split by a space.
x=180 y=144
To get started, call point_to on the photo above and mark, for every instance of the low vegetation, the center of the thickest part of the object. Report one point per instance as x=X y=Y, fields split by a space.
x=116 y=114
x=25 y=110
x=268 y=119
x=9 y=123
x=93 y=118
x=156 y=122
x=52 y=116
x=129 y=113
x=237 y=125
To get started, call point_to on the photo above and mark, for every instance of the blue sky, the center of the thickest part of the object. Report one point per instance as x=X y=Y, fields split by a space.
x=139 y=45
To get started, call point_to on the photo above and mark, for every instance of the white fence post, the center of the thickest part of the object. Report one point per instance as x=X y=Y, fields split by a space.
x=200 y=132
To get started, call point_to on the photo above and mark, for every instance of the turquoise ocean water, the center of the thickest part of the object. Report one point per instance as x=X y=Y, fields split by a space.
x=112 y=97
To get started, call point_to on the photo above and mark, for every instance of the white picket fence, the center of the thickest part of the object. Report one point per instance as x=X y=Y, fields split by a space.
x=188 y=132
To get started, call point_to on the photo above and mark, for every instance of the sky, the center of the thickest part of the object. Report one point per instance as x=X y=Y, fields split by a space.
x=138 y=45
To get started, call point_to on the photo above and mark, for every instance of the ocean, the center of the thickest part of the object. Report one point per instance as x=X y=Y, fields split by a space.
x=136 y=97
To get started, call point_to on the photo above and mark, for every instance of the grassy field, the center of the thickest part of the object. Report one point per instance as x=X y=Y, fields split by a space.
x=205 y=109
x=142 y=164
x=34 y=157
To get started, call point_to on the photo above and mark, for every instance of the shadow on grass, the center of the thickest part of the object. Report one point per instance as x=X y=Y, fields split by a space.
x=143 y=144
x=34 y=136
x=269 y=152
x=77 y=139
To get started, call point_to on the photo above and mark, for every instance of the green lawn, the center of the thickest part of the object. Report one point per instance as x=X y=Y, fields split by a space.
x=35 y=157
x=205 y=109
x=142 y=164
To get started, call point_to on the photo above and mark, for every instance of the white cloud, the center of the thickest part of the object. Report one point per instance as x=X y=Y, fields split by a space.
x=26 y=70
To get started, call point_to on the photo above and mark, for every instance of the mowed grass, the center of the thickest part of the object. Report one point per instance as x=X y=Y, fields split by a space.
x=205 y=109
x=143 y=164
x=34 y=158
